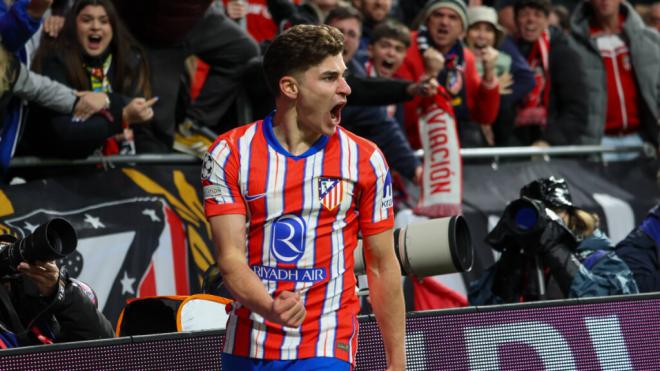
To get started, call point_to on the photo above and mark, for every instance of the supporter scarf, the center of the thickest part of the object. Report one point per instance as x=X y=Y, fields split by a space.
x=370 y=69
x=538 y=60
x=98 y=75
x=452 y=76
x=442 y=181
x=98 y=71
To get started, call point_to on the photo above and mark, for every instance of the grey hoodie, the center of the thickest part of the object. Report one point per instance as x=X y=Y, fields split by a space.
x=39 y=89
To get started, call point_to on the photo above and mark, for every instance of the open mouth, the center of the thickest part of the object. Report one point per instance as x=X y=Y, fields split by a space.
x=94 y=41
x=387 y=64
x=335 y=112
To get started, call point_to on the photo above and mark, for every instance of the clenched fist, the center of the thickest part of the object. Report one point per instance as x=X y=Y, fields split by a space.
x=287 y=309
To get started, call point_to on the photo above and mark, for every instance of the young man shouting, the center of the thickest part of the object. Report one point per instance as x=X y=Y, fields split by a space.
x=286 y=198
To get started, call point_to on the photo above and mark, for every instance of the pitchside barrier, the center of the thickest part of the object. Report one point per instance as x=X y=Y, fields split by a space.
x=611 y=333
x=142 y=231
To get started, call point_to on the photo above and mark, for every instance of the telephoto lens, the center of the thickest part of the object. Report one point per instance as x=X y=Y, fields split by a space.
x=52 y=240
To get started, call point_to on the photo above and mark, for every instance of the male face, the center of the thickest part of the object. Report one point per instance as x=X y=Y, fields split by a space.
x=445 y=27
x=322 y=92
x=654 y=16
x=605 y=8
x=531 y=23
x=387 y=54
x=352 y=30
x=375 y=10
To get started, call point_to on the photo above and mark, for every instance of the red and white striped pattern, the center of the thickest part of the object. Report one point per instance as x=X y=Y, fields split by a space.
x=266 y=184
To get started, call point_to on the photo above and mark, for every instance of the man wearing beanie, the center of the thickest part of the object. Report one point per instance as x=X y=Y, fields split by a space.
x=437 y=51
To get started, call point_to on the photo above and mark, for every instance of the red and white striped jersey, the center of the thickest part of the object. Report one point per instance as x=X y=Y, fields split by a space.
x=303 y=217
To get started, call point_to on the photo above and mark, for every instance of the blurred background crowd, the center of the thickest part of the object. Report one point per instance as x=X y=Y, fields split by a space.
x=123 y=77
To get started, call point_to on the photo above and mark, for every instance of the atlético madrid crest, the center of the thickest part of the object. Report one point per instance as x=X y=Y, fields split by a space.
x=331 y=192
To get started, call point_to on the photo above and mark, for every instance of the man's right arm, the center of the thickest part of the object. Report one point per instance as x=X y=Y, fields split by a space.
x=245 y=286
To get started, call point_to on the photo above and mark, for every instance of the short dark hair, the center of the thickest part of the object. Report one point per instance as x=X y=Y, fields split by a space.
x=543 y=5
x=341 y=13
x=391 y=29
x=298 y=49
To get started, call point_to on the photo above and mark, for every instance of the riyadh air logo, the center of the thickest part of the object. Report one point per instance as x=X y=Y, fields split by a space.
x=331 y=192
x=387 y=192
x=288 y=238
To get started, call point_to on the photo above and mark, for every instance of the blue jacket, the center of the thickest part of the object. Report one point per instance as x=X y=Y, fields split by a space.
x=600 y=273
x=16 y=26
x=641 y=251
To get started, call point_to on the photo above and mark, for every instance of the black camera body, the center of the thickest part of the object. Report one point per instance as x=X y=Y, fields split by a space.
x=521 y=224
x=52 y=240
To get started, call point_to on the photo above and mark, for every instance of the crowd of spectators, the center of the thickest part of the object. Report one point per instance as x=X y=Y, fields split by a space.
x=79 y=77
x=521 y=72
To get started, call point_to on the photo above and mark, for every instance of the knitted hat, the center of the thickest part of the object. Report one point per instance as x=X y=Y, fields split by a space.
x=456 y=5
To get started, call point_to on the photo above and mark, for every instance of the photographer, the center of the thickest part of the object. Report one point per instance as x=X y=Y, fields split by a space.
x=641 y=251
x=550 y=250
x=40 y=304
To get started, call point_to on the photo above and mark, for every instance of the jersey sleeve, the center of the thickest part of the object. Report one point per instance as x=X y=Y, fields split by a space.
x=220 y=181
x=376 y=201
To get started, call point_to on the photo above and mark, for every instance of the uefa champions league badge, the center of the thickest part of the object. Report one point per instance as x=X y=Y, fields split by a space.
x=207 y=166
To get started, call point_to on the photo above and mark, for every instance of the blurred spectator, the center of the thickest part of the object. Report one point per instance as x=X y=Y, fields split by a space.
x=558 y=253
x=17 y=26
x=515 y=77
x=560 y=17
x=17 y=80
x=641 y=251
x=171 y=30
x=621 y=57
x=254 y=16
x=654 y=16
x=437 y=51
x=407 y=10
x=372 y=122
x=93 y=52
x=553 y=112
x=387 y=49
x=505 y=15
x=373 y=12
x=286 y=13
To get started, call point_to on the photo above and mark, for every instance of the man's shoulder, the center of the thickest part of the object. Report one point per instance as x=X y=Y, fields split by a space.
x=362 y=143
x=232 y=136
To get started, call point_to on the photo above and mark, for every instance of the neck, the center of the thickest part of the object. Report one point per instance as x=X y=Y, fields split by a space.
x=289 y=131
x=608 y=23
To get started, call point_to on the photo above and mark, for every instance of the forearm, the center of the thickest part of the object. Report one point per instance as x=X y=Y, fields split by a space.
x=43 y=91
x=388 y=305
x=245 y=286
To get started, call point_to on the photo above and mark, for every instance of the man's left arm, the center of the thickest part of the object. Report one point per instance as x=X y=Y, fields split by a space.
x=384 y=276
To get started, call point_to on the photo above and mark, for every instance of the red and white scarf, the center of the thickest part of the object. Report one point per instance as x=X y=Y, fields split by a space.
x=442 y=182
x=538 y=60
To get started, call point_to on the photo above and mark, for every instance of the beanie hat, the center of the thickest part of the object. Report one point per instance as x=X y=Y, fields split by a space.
x=456 y=5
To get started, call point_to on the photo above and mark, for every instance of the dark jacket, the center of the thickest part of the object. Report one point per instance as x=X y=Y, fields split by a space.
x=161 y=22
x=567 y=116
x=641 y=251
x=372 y=123
x=70 y=316
x=644 y=46
x=50 y=134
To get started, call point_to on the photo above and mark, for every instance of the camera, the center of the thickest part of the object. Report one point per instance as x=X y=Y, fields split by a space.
x=521 y=224
x=429 y=248
x=51 y=240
